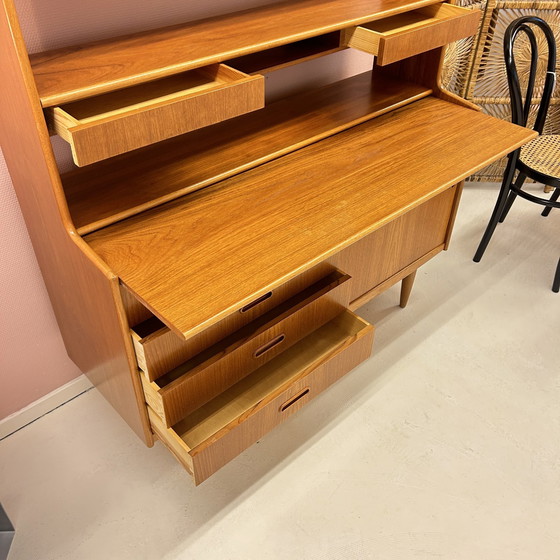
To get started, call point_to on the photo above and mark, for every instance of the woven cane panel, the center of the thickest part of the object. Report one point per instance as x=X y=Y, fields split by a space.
x=543 y=154
x=491 y=80
x=487 y=85
x=459 y=55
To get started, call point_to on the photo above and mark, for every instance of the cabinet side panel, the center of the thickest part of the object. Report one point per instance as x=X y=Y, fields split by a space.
x=84 y=294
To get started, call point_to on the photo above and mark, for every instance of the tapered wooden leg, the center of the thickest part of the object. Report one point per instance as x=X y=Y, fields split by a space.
x=406 y=288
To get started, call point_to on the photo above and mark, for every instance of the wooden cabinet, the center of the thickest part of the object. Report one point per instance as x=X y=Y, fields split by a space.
x=206 y=260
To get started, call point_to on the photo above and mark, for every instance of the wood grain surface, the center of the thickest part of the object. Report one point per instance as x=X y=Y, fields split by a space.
x=195 y=260
x=288 y=55
x=229 y=424
x=83 y=291
x=110 y=191
x=392 y=280
x=412 y=33
x=381 y=254
x=159 y=349
x=82 y=71
x=196 y=382
x=118 y=122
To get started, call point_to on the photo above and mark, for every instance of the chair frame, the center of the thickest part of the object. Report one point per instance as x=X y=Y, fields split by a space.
x=510 y=190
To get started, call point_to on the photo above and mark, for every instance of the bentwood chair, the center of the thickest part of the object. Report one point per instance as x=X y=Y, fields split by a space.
x=538 y=160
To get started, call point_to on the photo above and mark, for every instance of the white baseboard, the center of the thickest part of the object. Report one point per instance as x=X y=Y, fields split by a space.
x=42 y=406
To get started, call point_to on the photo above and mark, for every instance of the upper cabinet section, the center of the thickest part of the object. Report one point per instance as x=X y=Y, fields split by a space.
x=81 y=71
x=116 y=96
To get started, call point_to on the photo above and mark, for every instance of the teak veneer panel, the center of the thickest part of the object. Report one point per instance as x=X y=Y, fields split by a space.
x=76 y=72
x=104 y=193
x=213 y=435
x=193 y=384
x=412 y=33
x=197 y=259
x=83 y=292
x=118 y=122
x=380 y=255
x=159 y=349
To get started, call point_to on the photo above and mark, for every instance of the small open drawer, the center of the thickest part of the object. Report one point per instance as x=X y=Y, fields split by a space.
x=107 y=125
x=193 y=384
x=412 y=33
x=159 y=350
x=219 y=431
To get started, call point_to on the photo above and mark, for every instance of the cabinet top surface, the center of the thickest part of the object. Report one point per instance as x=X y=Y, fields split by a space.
x=80 y=71
x=200 y=258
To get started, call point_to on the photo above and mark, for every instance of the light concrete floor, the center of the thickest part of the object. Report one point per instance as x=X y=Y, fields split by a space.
x=445 y=444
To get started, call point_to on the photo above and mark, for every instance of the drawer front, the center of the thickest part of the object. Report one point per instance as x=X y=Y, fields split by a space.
x=106 y=126
x=252 y=420
x=412 y=33
x=159 y=350
x=246 y=351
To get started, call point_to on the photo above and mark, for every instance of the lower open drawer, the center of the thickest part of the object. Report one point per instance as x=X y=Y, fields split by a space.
x=219 y=431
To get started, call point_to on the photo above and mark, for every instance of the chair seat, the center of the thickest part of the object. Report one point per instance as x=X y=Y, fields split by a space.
x=543 y=155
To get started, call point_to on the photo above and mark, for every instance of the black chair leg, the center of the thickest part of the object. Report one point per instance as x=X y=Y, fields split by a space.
x=512 y=196
x=498 y=208
x=556 y=283
x=553 y=198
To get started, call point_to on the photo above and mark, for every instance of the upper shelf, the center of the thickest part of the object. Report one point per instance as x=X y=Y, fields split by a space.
x=82 y=71
x=115 y=189
x=200 y=258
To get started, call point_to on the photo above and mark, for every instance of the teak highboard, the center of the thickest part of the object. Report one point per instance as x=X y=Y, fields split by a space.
x=206 y=257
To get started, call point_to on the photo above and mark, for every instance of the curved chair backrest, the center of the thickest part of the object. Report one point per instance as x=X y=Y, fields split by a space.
x=519 y=109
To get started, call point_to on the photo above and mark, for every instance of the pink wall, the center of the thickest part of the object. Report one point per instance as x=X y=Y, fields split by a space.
x=33 y=360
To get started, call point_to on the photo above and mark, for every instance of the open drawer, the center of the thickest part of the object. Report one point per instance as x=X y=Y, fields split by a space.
x=193 y=384
x=107 y=125
x=159 y=349
x=412 y=33
x=219 y=431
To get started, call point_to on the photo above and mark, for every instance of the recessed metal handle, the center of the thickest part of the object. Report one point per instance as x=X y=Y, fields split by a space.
x=294 y=400
x=269 y=346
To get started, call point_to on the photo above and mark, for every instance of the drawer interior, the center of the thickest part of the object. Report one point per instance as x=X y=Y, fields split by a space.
x=111 y=124
x=265 y=383
x=411 y=33
x=159 y=91
x=267 y=396
x=192 y=384
x=415 y=19
x=159 y=350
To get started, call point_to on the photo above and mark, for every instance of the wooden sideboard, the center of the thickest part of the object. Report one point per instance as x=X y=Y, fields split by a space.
x=206 y=258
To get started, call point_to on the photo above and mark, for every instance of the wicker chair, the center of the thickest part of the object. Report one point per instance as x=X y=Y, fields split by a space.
x=540 y=159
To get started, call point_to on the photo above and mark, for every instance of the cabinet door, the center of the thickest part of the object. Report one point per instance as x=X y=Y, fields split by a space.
x=375 y=258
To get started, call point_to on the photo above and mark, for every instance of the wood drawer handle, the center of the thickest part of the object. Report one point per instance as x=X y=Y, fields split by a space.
x=294 y=400
x=256 y=302
x=269 y=346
